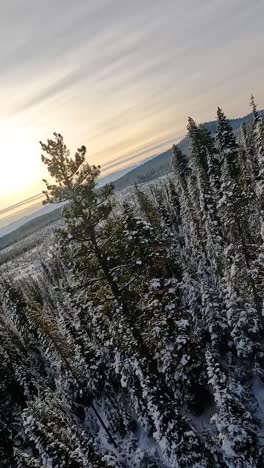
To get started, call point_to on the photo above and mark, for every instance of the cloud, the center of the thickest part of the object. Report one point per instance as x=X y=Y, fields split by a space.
x=122 y=77
x=22 y=203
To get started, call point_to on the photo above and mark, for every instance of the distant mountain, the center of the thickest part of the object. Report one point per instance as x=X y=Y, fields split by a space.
x=38 y=212
x=161 y=164
x=24 y=227
x=113 y=176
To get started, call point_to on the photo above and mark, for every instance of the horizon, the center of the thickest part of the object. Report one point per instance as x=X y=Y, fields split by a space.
x=13 y=213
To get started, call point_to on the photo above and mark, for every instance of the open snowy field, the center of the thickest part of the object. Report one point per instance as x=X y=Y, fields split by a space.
x=24 y=257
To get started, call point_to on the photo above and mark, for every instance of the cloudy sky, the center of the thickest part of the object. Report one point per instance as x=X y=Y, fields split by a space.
x=119 y=76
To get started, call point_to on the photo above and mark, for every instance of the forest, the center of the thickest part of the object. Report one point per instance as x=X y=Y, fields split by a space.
x=140 y=343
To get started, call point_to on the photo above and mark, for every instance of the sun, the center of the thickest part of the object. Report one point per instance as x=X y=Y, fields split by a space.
x=20 y=166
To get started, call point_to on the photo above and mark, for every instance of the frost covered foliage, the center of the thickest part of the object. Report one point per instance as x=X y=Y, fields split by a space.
x=140 y=344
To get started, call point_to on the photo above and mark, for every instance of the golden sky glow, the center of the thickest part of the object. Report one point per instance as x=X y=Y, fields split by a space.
x=120 y=77
x=19 y=162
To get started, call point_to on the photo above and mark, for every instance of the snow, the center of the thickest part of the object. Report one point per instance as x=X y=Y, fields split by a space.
x=227 y=448
x=132 y=449
x=155 y=283
x=184 y=360
x=258 y=393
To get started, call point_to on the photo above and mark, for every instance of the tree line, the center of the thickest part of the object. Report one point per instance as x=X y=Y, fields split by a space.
x=141 y=343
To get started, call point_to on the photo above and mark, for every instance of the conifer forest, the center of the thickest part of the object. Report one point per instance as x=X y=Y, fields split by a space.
x=140 y=343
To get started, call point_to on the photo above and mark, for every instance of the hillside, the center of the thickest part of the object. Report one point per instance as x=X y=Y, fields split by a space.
x=161 y=164
x=29 y=227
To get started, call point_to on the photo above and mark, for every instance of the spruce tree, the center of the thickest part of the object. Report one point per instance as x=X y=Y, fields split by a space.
x=242 y=295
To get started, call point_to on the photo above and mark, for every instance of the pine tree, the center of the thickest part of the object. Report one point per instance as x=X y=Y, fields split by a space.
x=242 y=296
x=55 y=436
x=203 y=156
x=235 y=425
x=148 y=209
x=258 y=131
x=91 y=250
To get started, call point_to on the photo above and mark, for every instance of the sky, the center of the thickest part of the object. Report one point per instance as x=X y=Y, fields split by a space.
x=119 y=76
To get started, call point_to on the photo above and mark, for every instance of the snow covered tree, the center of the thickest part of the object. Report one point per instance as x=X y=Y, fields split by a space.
x=139 y=342
x=235 y=425
x=56 y=436
x=242 y=295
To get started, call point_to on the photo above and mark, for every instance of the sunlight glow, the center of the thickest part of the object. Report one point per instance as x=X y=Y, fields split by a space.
x=19 y=160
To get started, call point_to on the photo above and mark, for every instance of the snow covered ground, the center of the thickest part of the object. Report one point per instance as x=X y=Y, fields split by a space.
x=23 y=258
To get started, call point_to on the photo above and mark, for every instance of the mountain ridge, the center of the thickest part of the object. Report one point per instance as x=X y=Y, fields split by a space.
x=160 y=165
